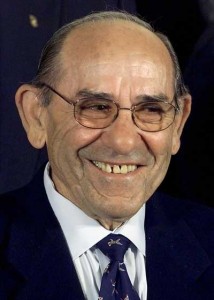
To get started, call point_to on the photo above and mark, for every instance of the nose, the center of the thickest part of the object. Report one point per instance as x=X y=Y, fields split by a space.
x=122 y=136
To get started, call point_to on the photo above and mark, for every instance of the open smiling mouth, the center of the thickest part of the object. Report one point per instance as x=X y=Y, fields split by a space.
x=116 y=169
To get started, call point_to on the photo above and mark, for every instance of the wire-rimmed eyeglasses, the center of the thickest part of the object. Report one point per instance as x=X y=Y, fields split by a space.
x=98 y=112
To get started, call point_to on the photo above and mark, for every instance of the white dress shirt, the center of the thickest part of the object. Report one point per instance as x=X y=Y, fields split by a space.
x=82 y=233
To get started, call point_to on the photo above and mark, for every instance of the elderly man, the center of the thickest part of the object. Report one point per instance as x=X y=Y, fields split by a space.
x=110 y=105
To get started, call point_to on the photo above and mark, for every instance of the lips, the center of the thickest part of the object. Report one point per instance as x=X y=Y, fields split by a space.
x=116 y=169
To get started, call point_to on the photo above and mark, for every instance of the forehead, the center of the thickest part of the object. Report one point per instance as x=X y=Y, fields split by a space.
x=115 y=48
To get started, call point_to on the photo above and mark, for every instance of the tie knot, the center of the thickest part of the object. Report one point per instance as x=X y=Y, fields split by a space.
x=114 y=246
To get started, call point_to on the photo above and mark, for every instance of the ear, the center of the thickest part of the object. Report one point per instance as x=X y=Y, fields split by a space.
x=31 y=113
x=180 y=121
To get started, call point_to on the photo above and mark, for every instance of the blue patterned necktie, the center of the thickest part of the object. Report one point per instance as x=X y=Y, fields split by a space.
x=116 y=284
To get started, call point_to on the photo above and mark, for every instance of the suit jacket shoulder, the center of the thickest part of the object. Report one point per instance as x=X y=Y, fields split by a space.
x=179 y=251
x=35 y=262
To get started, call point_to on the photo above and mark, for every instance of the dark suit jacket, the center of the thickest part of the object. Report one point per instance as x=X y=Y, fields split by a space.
x=35 y=262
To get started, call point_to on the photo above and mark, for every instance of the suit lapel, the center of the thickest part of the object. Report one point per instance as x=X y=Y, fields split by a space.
x=175 y=260
x=43 y=259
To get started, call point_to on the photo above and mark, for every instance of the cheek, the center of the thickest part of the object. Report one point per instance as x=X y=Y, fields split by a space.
x=160 y=143
x=57 y=139
x=64 y=141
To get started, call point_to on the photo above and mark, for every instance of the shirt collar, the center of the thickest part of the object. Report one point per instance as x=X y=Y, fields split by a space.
x=75 y=223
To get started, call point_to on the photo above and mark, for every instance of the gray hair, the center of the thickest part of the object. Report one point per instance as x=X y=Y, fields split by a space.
x=49 y=64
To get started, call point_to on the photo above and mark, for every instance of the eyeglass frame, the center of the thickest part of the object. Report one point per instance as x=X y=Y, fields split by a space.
x=176 y=108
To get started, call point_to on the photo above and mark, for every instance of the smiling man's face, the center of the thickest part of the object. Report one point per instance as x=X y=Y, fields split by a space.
x=110 y=173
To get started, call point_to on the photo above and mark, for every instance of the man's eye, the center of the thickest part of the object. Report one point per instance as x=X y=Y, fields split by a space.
x=99 y=107
x=96 y=105
x=154 y=108
x=151 y=108
x=95 y=109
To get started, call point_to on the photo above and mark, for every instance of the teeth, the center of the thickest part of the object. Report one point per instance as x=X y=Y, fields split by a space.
x=108 y=169
x=116 y=169
x=124 y=169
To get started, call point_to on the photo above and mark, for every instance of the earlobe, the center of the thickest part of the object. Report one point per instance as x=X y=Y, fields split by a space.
x=180 y=122
x=31 y=114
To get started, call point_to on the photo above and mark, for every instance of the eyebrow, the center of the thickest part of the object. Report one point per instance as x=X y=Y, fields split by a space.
x=153 y=98
x=93 y=94
x=87 y=93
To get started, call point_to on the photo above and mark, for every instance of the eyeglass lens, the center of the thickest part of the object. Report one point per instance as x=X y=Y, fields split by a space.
x=100 y=113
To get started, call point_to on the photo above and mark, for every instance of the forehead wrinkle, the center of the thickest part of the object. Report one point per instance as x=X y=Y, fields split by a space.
x=146 y=69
